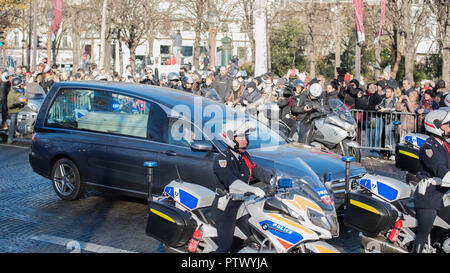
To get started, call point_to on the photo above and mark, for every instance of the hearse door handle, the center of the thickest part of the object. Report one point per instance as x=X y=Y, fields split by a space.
x=171 y=153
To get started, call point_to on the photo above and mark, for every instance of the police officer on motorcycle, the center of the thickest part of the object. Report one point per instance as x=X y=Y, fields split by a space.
x=307 y=104
x=187 y=84
x=173 y=80
x=434 y=163
x=236 y=172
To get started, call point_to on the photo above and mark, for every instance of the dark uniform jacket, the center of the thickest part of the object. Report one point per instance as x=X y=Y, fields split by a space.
x=302 y=100
x=228 y=169
x=434 y=161
x=222 y=85
x=368 y=102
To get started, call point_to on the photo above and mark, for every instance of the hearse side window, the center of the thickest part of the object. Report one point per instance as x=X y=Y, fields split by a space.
x=99 y=111
x=182 y=133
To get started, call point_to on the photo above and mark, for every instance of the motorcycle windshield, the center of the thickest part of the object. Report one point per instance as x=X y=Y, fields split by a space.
x=262 y=137
x=314 y=190
x=34 y=91
x=340 y=110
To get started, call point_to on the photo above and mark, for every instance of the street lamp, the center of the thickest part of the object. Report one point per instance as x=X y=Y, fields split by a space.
x=23 y=54
x=213 y=18
x=115 y=32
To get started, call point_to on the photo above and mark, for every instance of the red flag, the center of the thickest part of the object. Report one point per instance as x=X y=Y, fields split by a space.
x=57 y=13
x=383 y=11
x=359 y=15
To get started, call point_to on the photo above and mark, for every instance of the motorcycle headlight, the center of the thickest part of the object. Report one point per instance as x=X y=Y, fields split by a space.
x=318 y=219
x=328 y=221
x=334 y=224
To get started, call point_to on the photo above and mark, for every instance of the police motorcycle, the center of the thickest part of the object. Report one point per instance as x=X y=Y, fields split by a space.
x=407 y=152
x=335 y=129
x=32 y=100
x=26 y=118
x=269 y=114
x=292 y=217
x=407 y=155
x=382 y=209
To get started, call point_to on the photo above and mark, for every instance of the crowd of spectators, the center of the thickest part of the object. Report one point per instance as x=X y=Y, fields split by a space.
x=372 y=102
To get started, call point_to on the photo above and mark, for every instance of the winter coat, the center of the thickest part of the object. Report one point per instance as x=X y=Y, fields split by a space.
x=250 y=98
x=223 y=86
x=14 y=106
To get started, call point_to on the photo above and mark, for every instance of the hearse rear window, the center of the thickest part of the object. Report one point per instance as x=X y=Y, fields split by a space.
x=99 y=111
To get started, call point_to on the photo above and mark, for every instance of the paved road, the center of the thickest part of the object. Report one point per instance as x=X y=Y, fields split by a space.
x=34 y=220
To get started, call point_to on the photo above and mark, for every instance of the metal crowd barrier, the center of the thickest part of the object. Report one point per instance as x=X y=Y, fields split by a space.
x=66 y=109
x=380 y=131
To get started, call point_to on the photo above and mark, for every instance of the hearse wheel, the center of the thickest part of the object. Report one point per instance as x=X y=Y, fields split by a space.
x=66 y=180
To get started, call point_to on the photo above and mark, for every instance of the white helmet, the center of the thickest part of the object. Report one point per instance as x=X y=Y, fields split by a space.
x=435 y=119
x=315 y=90
x=234 y=128
x=447 y=100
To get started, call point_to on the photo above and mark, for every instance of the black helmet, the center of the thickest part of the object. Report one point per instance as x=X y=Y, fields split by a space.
x=16 y=82
x=173 y=76
x=298 y=83
x=187 y=80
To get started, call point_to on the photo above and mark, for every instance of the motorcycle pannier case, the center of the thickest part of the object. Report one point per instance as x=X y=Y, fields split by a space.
x=368 y=215
x=407 y=158
x=169 y=225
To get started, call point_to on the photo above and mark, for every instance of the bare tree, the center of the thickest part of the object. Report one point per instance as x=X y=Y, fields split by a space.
x=129 y=16
x=317 y=31
x=194 y=13
x=248 y=22
x=157 y=21
x=441 y=11
x=407 y=19
x=103 y=33
x=10 y=10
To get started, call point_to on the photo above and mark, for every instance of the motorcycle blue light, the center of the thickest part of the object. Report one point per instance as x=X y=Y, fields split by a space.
x=348 y=159
x=285 y=183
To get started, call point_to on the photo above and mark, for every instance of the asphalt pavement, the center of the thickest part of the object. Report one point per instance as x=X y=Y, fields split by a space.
x=34 y=220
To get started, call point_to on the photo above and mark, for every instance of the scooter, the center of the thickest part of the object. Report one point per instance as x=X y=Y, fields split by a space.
x=382 y=209
x=335 y=130
x=294 y=216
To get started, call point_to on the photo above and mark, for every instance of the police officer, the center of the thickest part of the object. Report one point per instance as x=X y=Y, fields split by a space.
x=434 y=162
x=305 y=105
x=236 y=173
x=187 y=84
x=15 y=104
x=173 y=80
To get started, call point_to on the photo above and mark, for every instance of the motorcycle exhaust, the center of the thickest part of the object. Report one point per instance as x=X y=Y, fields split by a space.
x=378 y=245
